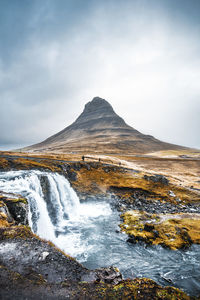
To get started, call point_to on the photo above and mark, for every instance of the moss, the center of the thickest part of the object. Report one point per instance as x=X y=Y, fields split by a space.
x=14 y=199
x=24 y=232
x=4 y=164
x=124 y=183
x=22 y=163
x=15 y=277
x=4 y=220
x=21 y=232
x=173 y=231
x=1 y=203
x=143 y=288
x=131 y=289
x=97 y=178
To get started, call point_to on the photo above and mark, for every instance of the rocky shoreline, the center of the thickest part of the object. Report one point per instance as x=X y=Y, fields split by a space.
x=33 y=268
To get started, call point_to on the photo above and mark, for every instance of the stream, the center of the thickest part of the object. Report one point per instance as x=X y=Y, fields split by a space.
x=89 y=232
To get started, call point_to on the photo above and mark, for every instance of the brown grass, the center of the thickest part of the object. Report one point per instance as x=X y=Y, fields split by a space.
x=97 y=181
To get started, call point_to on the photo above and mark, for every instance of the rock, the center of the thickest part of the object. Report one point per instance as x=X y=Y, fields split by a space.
x=109 y=275
x=19 y=287
x=5 y=212
x=76 y=166
x=72 y=176
x=131 y=239
x=89 y=277
x=44 y=255
x=149 y=227
x=18 y=209
x=22 y=252
x=171 y=194
x=46 y=189
x=156 y=233
x=65 y=167
x=157 y=179
x=87 y=166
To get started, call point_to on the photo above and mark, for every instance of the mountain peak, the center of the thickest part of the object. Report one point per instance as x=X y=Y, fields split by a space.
x=97 y=103
x=98 y=111
x=99 y=128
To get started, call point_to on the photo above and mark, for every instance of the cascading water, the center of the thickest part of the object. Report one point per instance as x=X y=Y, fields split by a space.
x=89 y=232
x=56 y=215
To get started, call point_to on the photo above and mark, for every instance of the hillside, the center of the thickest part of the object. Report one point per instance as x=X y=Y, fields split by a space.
x=100 y=129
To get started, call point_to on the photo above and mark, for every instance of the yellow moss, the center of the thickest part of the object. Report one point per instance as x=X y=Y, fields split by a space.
x=4 y=220
x=4 y=223
x=14 y=200
x=22 y=232
x=4 y=163
x=97 y=180
x=28 y=163
x=171 y=230
x=139 y=288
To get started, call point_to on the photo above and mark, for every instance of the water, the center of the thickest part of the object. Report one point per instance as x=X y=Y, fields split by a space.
x=89 y=232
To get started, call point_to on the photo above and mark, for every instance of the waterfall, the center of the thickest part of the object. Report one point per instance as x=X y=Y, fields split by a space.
x=89 y=231
x=62 y=200
x=55 y=212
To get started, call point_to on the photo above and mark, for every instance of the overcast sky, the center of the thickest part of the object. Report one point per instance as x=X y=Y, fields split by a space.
x=143 y=56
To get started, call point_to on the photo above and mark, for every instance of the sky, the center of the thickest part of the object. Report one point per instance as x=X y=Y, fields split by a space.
x=143 y=56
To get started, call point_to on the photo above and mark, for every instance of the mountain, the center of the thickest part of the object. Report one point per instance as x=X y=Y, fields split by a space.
x=100 y=129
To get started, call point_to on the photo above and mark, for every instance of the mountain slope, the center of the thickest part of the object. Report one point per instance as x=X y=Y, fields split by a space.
x=100 y=129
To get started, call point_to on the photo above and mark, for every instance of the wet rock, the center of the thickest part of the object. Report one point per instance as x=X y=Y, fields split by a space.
x=29 y=253
x=4 y=213
x=131 y=239
x=18 y=209
x=109 y=275
x=46 y=189
x=19 y=212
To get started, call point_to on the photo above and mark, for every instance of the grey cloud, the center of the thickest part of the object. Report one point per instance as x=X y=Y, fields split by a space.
x=143 y=56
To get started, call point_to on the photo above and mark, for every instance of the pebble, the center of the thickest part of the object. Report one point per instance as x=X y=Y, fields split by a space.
x=44 y=255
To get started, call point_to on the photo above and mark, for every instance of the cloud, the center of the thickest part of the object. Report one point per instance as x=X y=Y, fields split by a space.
x=142 y=58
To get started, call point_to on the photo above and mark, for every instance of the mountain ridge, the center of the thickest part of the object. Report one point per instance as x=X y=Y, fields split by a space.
x=98 y=128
